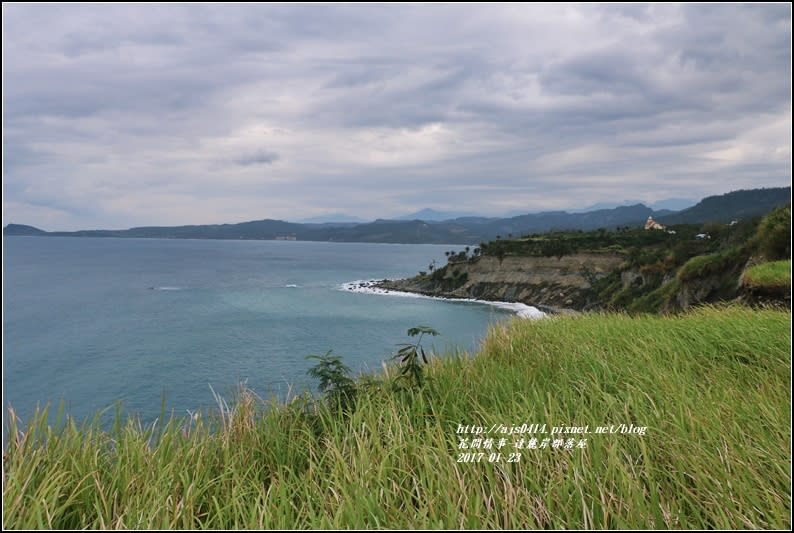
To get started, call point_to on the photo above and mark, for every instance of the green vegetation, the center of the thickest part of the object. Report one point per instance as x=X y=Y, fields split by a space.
x=409 y=354
x=713 y=264
x=559 y=243
x=457 y=278
x=656 y=300
x=335 y=381
x=774 y=234
x=772 y=275
x=641 y=247
x=712 y=387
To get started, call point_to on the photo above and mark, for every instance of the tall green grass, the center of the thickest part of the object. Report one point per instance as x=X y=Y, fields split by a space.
x=712 y=387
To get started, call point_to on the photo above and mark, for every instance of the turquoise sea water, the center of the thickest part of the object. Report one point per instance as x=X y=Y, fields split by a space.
x=92 y=321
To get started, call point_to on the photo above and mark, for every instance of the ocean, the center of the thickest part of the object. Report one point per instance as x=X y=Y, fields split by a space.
x=93 y=321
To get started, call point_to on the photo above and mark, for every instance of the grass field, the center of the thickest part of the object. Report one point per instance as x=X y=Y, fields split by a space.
x=771 y=275
x=711 y=386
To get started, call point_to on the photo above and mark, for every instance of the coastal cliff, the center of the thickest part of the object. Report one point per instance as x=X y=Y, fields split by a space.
x=550 y=282
x=630 y=269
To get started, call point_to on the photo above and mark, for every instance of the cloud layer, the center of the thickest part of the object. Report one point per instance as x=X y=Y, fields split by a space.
x=125 y=115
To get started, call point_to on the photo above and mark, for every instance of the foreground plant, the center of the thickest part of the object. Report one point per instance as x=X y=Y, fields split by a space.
x=409 y=355
x=335 y=381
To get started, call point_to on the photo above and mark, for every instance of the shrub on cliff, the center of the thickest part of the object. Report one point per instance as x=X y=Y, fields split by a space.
x=774 y=234
x=703 y=266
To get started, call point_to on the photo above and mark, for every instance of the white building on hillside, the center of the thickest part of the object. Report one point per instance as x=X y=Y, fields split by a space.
x=652 y=224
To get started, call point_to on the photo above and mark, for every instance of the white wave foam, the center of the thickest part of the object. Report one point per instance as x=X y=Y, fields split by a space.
x=166 y=288
x=291 y=286
x=368 y=287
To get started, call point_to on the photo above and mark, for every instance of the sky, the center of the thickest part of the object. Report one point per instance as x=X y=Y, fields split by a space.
x=127 y=115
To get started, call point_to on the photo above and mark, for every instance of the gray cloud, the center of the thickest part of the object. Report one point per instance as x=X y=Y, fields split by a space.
x=260 y=157
x=123 y=114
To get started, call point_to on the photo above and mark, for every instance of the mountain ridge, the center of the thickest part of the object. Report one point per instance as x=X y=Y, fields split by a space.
x=463 y=230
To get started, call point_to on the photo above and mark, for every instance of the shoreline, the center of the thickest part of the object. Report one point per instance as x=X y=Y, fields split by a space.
x=372 y=286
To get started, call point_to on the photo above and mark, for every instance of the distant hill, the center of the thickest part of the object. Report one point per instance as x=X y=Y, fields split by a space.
x=669 y=204
x=21 y=229
x=427 y=215
x=461 y=230
x=607 y=205
x=333 y=218
x=562 y=220
x=466 y=230
x=672 y=204
x=731 y=206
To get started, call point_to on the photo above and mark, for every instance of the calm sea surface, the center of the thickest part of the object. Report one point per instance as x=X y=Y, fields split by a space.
x=92 y=321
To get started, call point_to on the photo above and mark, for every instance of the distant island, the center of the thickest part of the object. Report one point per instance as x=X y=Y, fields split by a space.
x=463 y=230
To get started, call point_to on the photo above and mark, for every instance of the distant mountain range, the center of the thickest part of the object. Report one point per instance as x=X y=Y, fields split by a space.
x=731 y=206
x=434 y=215
x=427 y=215
x=671 y=204
x=333 y=218
x=431 y=215
x=460 y=230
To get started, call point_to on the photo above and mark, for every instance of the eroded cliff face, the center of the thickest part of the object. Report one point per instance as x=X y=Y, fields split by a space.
x=762 y=296
x=540 y=281
x=772 y=296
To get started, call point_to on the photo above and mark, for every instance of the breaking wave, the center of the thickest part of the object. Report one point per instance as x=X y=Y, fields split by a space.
x=368 y=287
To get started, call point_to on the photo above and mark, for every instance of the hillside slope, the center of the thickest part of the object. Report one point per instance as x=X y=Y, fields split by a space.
x=731 y=206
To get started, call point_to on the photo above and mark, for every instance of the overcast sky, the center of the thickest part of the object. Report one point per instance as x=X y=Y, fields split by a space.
x=126 y=115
